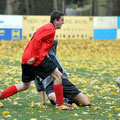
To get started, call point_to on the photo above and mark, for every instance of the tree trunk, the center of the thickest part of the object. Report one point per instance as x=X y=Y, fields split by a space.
x=114 y=10
x=2 y=7
x=12 y=6
x=32 y=4
x=63 y=6
x=95 y=8
x=118 y=8
x=9 y=7
x=27 y=7
x=55 y=7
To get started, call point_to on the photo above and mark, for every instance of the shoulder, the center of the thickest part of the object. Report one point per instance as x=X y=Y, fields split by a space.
x=49 y=26
x=45 y=30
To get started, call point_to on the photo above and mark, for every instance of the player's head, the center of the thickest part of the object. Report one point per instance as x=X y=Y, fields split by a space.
x=57 y=18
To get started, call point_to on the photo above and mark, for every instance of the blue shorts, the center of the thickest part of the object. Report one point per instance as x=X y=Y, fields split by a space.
x=69 y=90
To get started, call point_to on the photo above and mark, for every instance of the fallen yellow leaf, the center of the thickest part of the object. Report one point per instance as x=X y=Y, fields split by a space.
x=6 y=113
x=33 y=119
x=1 y=105
x=7 y=116
x=74 y=115
x=117 y=109
x=74 y=105
x=113 y=93
x=110 y=115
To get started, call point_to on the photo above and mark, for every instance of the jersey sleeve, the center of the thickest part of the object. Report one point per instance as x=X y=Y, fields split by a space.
x=42 y=42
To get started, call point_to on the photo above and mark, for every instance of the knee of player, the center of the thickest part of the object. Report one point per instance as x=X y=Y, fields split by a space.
x=60 y=74
x=56 y=73
x=86 y=100
x=23 y=87
x=87 y=103
x=51 y=96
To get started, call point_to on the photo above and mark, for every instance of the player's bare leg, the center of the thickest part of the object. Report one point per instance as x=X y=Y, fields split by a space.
x=22 y=86
x=14 y=89
x=52 y=96
x=58 y=89
x=82 y=99
x=57 y=76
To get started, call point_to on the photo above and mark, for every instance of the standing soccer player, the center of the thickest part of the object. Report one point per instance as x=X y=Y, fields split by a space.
x=35 y=61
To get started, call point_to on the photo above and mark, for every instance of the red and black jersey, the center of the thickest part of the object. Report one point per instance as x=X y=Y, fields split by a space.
x=40 y=44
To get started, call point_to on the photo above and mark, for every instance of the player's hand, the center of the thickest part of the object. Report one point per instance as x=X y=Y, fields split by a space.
x=31 y=61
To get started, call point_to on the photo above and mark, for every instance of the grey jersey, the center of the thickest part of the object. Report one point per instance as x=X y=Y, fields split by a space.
x=42 y=84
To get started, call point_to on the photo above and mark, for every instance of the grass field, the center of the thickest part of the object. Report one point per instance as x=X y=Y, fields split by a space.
x=93 y=66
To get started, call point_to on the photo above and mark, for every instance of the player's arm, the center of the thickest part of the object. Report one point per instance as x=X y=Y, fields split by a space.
x=40 y=89
x=42 y=96
x=42 y=43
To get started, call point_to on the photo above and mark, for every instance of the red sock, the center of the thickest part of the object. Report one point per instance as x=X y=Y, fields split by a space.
x=8 y=92
x=59 y=94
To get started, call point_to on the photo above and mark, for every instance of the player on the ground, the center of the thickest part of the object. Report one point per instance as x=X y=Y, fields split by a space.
x=70 y=92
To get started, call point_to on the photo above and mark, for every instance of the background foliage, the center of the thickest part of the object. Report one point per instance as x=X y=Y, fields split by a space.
x=45 y=7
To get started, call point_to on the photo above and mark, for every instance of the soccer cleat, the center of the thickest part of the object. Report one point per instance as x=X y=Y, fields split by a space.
x=52 y=102
x=64 y=107
x=118 y=82
x=71 y=101
x=66 y=101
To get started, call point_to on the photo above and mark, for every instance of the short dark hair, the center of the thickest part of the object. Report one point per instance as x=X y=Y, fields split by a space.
x=55 y=15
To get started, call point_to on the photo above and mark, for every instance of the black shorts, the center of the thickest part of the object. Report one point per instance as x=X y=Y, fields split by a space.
x=43 y=70
x=69 y=90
